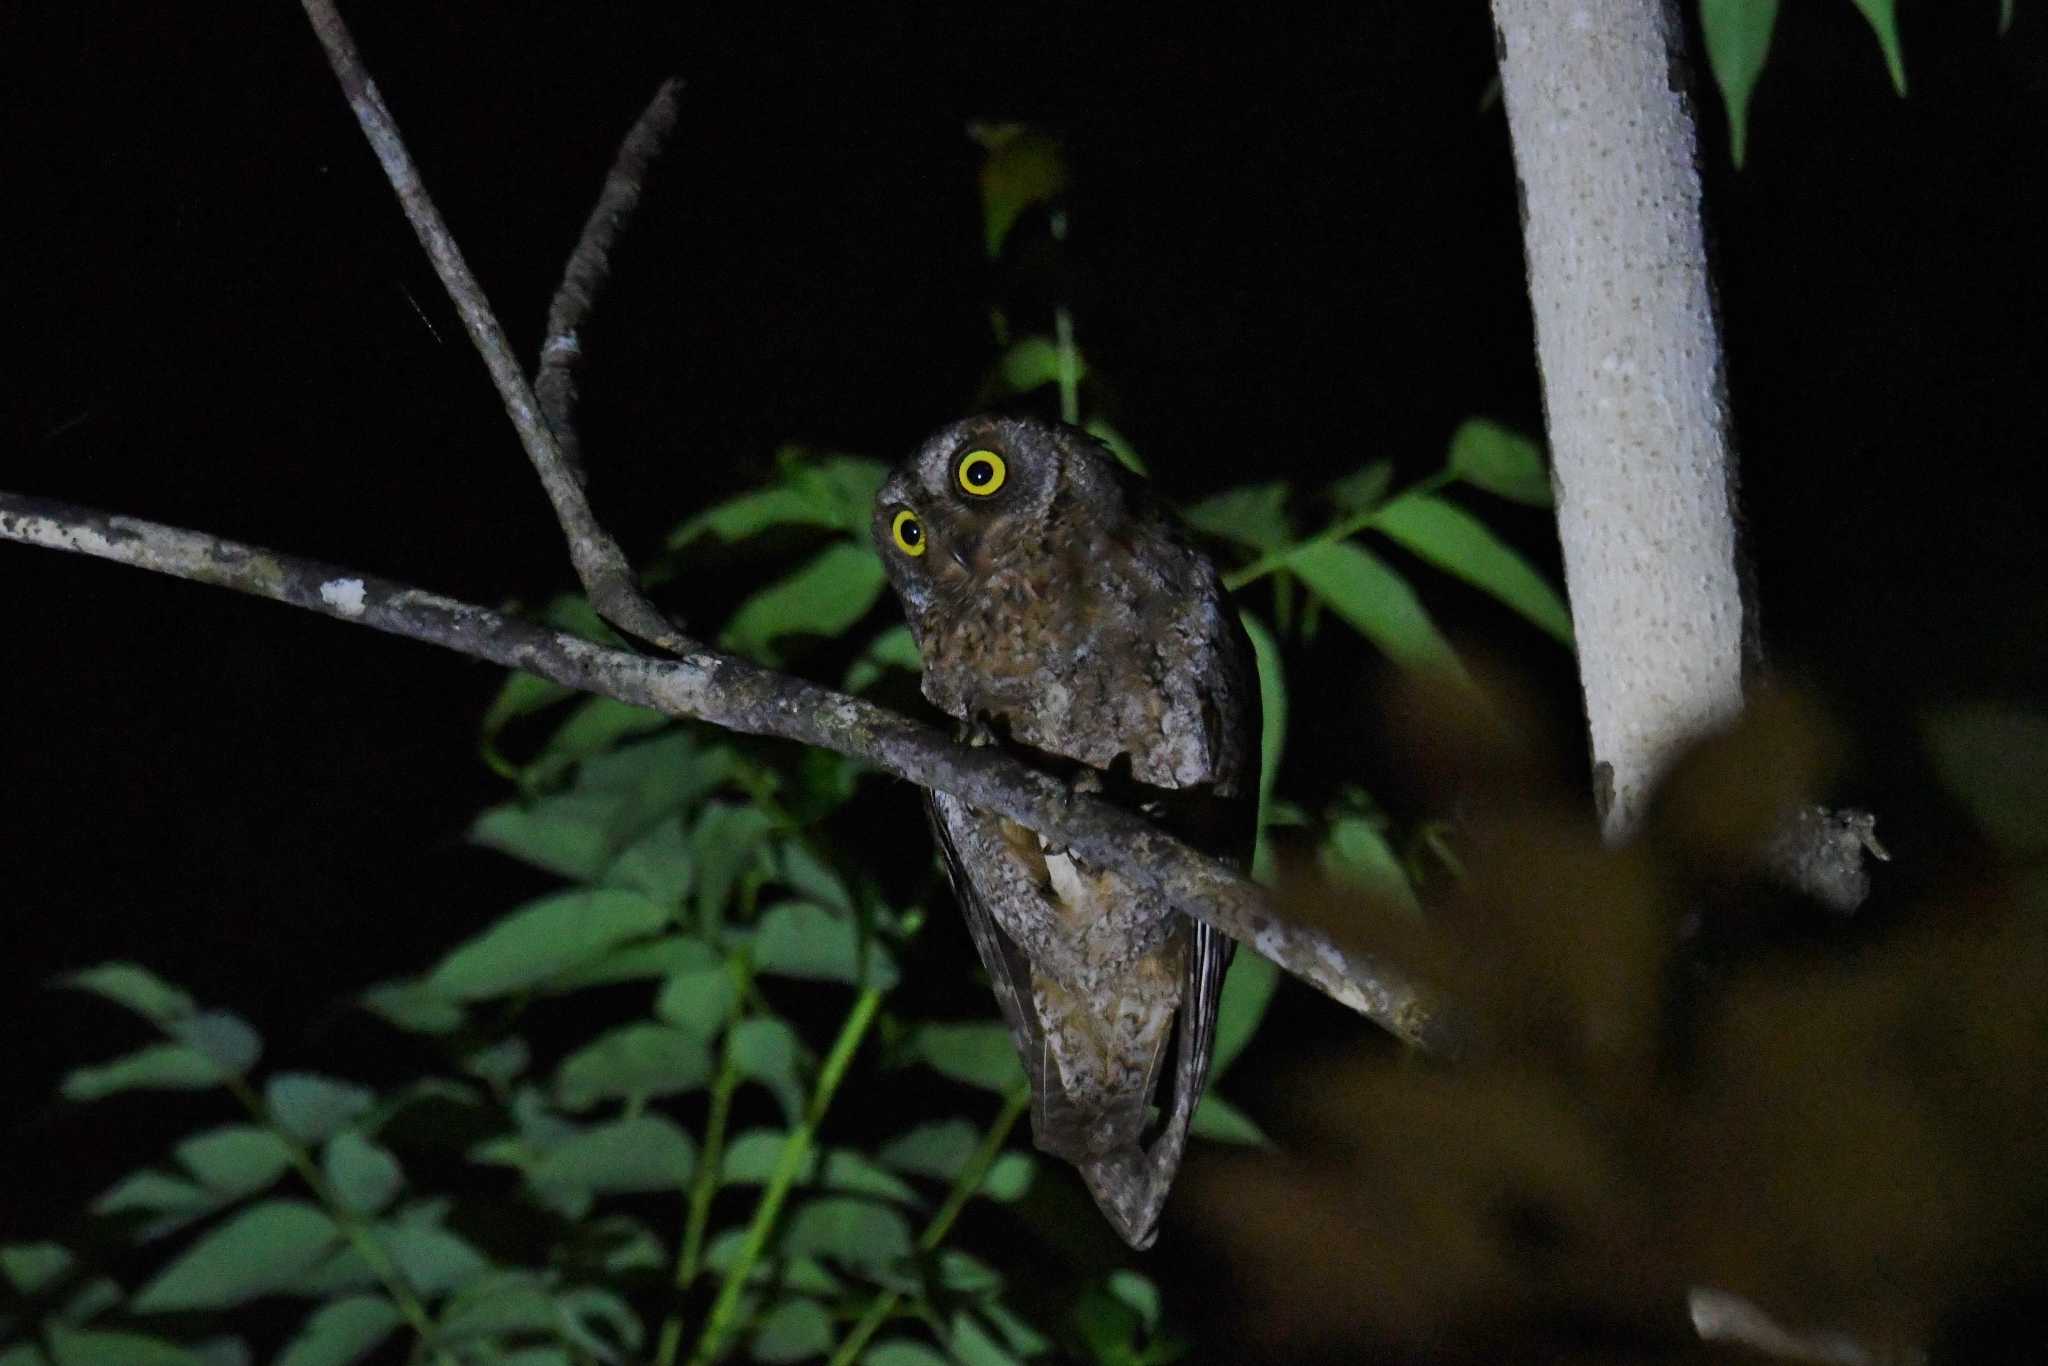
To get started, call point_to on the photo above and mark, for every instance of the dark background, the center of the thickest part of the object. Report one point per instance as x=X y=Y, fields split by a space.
x=1296 y=249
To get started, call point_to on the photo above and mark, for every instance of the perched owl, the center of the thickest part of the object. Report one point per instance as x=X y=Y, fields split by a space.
x=1061 y=612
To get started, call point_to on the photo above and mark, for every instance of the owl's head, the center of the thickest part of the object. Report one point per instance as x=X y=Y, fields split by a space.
x=983 y=495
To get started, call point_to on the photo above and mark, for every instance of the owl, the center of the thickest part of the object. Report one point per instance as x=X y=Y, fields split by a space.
x=1061 y=612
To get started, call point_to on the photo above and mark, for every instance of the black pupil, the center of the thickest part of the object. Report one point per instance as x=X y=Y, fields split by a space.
x=979 y=472
x=912 y=533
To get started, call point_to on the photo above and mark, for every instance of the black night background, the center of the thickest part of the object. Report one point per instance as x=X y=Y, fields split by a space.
x=1294 y=247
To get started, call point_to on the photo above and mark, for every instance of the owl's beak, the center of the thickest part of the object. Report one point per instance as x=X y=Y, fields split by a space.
x=962 y=550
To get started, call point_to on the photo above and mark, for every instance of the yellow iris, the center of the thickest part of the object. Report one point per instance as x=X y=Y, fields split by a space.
x=908 y=533
x=982 y=472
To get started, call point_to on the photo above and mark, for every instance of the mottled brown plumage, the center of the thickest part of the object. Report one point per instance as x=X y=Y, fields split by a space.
x=1059 y=610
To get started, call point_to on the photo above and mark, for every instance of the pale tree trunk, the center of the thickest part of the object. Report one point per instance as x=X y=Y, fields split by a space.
x=1631 y=361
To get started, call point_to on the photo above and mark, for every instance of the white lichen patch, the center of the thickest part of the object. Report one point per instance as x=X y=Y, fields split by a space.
x=344 y=596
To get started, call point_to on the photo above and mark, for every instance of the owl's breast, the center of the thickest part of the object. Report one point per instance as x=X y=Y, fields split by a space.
x=1093 y=657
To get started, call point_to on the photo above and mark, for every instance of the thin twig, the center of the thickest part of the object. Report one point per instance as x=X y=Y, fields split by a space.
x=690 y=1255
x=736 y=695
x=796 y=1152
x=590 y=269
x=600 y=564
x=965 y=1184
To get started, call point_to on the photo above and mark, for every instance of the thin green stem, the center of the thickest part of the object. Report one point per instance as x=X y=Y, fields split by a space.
x=352 y=1227
x=1068 y=360
x=1341 y=530
x=690 y=1257
x=795 y=1154
x=965 y=1184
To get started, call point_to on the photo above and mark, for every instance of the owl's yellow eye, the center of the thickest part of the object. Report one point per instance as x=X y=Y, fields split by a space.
x=908 y=533
x=982 y=472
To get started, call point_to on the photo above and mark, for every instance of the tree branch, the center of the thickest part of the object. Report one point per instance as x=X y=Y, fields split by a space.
x=590 y=270
x=600 y=564
x=724 y=691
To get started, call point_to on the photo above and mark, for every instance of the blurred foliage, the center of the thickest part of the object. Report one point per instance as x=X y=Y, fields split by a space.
x=1738 y=42
x=631 y=1140
x=1682 y=1081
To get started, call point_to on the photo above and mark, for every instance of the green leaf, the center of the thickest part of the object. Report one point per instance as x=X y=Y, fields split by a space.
x=804 y=873
x=1009 y=1177
x=235 y=1160
x=166 y=1067
x=939 y=1149
x=901 y=1352
x=1738 y=34
x=626 y=1156
x=768 y=1051
x=96 y=1297
x=858 y=1234
x=966 y=1274
x=979 y=1054
x=311 y=1107
x=1023 y=168
x=22 y=1353
x=973 y=1345
x=1363 y=488
x=137 y=988
x=727 y=841
x=699 y=1001
x=342 y=1333
x=836 y=491
x=499 y=1304
x=1137 y=1291
x=224 y=1039
x=1218 y=1120
x=1033 y=362
x=849 y=1170
x=413 y=1006
x=569 y=833
x=803 y=1275
x=659 y=863
x=1995 y=759
x=634 y=1062
x=1884 y=22
x=500 y=1064
x=1109 y=436
x=77 y=1347
x=2004 y=17
x=542 y=938
x=1255 y=516
x=522 y=694
x=585 y=1308
x=797 y=939
x=668 y=955
x=29 y=1267
x=151 y=1192
x=1454 y=540
x=1501 y=461
x=827 y=595
x=1247 y=991
x=795 y=1330
x=260 y=1250
x=1272 y=731
x=892 y=648
x=751 y=1157
x=1377 y=602
x=364 y=1175
x=433 y=1259
x=594 y=726
x=1357 y=855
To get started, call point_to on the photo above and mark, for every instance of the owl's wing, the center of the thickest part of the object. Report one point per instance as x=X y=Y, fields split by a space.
x=1009 y=972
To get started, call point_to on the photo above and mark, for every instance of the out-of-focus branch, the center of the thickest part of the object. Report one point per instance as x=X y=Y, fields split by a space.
x=705 y=686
